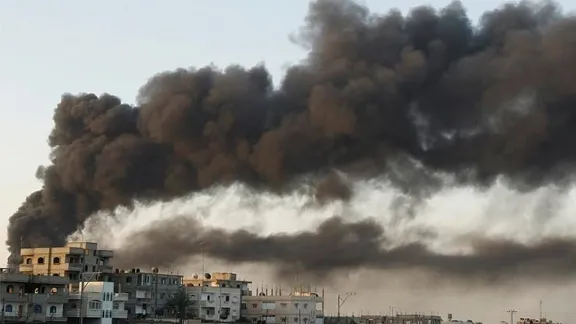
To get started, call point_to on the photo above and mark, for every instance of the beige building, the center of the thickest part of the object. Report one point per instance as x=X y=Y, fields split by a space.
x=217 y=296
x=29 y=298
x=69 y=261
x=298 y=307
x=147 y=292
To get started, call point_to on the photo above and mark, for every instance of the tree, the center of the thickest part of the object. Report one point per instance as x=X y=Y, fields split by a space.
x=179 y=303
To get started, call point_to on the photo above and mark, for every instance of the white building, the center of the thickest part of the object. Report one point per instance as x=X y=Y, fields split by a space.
x=96 y=303
x=298 y=307
x=217 y=296
x=216 y=303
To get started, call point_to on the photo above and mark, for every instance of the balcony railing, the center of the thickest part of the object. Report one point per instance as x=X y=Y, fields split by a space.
x=119 y=313
x=120 y=297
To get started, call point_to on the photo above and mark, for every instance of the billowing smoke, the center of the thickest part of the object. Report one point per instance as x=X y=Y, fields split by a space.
x=476 y=102
x=337 y=245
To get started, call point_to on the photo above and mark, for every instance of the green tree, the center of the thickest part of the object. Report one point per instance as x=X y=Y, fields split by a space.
x=179 y=303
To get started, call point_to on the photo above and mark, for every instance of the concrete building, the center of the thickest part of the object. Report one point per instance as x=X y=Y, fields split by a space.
x=298 y=307
x=147 y=292
x=216 y=296
x=69 y=261
x=528 y=320
x=96 y=302
x=383 y=319
x=219 y=279
x=29 y=298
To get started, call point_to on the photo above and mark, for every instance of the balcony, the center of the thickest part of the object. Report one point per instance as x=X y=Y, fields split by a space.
x=91 y=313
x=121 y=297
x=105 y=253
x=15 y=298
x=140 y=294
x=57 y=298
x=119 y=313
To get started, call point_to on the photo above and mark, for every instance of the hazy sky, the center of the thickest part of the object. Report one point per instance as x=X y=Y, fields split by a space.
x=51 y=47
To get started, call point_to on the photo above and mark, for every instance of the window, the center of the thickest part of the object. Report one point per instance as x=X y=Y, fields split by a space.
x=128 y=279
x=295 y=319
x=305 y=305
x=163 y=281
x=37 y=309
x=226 y=298
x=85 y=268
x=29 y=261
x=8 y=308
x=40 y=260
x=93 y=268
x=95 y=304
x=254 y=305
x=115 y=306
x=56 y=260
x=283 y=305
x=10 y=289
x=52 y=309
x=162 y=296
x=296 y=305
x=243 y=306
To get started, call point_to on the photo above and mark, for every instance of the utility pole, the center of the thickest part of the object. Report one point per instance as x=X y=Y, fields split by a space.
x=342 y=300
x=512 y=311
x=2 y=292
x=202 y=283
x=540 y=311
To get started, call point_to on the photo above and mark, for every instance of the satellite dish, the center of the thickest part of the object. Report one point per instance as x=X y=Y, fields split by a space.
x=154 y=270
x=195 y=276
x=207 y=276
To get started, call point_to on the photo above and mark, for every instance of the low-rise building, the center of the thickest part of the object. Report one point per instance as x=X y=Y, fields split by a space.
x=147 y=292
x=29 y=298
x=216 y=296
x=69 y=261
x=298 y=307
x=96 y=302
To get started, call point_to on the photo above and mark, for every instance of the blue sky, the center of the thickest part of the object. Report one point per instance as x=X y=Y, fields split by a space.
x=51 y=47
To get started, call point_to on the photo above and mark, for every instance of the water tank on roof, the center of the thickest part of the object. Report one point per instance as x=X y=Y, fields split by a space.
x=133 y=270
x=154 y=270
x=137 y=270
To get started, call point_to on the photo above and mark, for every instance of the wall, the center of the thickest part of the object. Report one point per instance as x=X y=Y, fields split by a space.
x=216 y=303
x=283 y=309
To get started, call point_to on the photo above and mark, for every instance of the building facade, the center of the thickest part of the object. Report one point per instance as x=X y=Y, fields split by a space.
x=97 y=303
x=147 y=292
x=217 y=296
x=69 y=261
x=297 y=307
x=29 y=298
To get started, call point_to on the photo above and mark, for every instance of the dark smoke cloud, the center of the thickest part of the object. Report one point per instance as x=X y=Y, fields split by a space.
x=478 y=102
x=337 y=245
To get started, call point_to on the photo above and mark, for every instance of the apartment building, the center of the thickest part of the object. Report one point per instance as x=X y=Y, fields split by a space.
x=69 y=261
x=147 y=292
x=97 y=303
x=30 y=298
x=300 y=306
x=216 y=296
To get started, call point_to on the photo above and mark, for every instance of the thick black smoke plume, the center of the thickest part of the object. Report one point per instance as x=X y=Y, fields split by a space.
x=497 y=99
x=338 y=245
